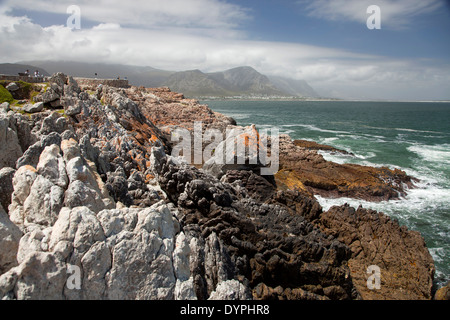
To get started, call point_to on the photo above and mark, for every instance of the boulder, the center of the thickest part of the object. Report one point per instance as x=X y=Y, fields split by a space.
x=239 y=151
x=32 y=154
x=231 y=290
x=58 y=79
x=52 y=94
x=10 y=149
x=52 y=166
x=9 y=242
x=62 y=178
x=22 y=181
x=85 y=185
x=443 y=293
x=55 y=90
x=4 y=107
x=71 y=88
x=40 y=277
x=12 y=87
x=43 y=204
x=53 y=123
x=33 y=108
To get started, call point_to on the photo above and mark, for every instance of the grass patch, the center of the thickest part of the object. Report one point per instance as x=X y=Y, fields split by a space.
x=25 y=86
x=61 y=112
x=33 y=94
x=5 y=96
x=26 y=90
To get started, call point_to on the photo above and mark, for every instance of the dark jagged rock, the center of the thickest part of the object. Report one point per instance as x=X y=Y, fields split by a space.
x=258 y=187
x=268 y=243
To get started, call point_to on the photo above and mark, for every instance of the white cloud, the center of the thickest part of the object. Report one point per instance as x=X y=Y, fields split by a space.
x=394 y=13
x=211 y=49
x=145 y=13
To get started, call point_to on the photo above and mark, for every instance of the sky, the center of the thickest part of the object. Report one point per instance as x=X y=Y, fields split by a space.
x=326 y=42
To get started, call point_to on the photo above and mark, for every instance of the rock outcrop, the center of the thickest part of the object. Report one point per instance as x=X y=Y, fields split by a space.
x=331 y=179
x=443 y=293
x=268 y=244
x=94 y=206
x=10 y=148
x=406 y=267
x=9 y=242
x=118 y=254
x=70 y=223
x=170 y=110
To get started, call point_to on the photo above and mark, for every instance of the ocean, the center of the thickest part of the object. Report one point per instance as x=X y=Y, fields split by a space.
x=411 y=136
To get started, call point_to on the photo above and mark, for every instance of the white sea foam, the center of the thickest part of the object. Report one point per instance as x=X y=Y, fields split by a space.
x=413 y=130
x=423 y=208
x=403 y=129
x=420 y=204
x=437 y=153
x=287 y=131
x=314 y=128
x=237 y=116
x=374 y=137
x=430 y=193
x=346 y=158
x=328 y=140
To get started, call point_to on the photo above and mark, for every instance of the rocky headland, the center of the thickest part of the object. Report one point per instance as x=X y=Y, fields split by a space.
x=88 y=183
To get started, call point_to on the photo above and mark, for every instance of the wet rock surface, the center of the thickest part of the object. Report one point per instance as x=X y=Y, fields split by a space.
x=334 y=180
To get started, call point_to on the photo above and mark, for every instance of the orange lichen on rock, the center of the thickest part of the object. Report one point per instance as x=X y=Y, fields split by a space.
x=287 y=179
x=153 y=139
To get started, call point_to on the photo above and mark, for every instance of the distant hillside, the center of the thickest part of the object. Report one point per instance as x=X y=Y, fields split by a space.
x=14 y=69
x=240 y=81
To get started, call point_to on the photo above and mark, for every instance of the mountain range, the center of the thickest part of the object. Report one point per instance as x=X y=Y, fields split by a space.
x=237 y=82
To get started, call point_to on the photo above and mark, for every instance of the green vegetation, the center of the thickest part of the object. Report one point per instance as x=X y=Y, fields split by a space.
x=33 y=94
x=61 y=112
x=25 y=86
x=26 y=90
x=5 y=96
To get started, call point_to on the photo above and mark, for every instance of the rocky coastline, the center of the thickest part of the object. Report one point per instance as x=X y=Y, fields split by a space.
x=89 y=184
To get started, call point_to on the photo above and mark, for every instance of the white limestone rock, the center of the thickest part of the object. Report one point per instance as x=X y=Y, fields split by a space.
x=10 y=236
x=230 y=290
x=10 y=149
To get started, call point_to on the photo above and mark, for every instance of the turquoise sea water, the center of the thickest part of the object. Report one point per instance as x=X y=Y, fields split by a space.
x=411 y=136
